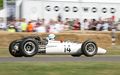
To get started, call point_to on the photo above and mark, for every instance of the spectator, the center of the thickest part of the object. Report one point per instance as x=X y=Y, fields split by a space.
x=99 y=26
x=54 y=27
x=59 y=26
x=59 y=17
x=3 y=26
x=76 y=25
x=69 y=23
x=11 y=29
x=85 y=25
x=49 y=26
x=23 y=25
x=93 y=24
x=118 y=27
x=30 y=27
x=40 y=28
x=105 y=26
x=11 y=24
x=62 y=26
x=18 y=26
x=66 y=26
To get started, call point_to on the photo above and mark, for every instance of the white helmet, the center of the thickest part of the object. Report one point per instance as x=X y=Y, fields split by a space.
x=51 y=36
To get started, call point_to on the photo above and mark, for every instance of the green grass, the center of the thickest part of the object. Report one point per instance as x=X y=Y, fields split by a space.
x=61 y=68
x=4 y=52
x=114 y=50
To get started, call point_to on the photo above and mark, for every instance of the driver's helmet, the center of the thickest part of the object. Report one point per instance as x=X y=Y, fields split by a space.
x=51 y=37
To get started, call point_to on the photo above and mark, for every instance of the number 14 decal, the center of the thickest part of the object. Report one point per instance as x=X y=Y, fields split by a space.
x=67 y=48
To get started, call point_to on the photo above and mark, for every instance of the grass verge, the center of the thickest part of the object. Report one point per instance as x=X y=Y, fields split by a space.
x=114 y=50
x=60 y=68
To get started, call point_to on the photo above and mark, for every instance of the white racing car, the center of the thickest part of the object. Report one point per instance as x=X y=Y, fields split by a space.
x=32 y=45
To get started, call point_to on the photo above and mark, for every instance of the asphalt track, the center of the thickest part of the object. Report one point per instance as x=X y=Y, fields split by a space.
x=62 y=59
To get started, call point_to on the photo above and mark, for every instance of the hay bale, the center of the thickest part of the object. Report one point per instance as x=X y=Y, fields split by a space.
x=88 y=32
x=117 y=42
x=101 y=39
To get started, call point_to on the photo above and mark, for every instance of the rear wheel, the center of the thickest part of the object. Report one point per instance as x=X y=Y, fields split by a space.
x=14 y=48
x=89 y=48
x=29 y=47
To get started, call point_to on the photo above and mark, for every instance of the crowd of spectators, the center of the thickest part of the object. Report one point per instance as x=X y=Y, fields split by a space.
x=57 y=26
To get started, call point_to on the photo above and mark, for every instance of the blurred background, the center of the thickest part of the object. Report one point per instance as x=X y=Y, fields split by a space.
x=71 y=17
x=59 y=15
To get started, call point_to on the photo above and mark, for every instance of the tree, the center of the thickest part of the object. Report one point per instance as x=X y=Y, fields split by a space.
x=1 y=4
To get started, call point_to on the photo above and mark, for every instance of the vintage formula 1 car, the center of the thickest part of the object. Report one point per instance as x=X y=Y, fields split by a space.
x=32 y=45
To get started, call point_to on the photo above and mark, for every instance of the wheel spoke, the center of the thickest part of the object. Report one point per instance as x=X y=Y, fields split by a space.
x=29 y=47
x=90 y=48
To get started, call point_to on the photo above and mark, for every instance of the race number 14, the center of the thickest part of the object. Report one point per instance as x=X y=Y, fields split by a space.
x=67 y=48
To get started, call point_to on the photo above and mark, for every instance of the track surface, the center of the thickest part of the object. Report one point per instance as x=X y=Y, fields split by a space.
x=61 y=59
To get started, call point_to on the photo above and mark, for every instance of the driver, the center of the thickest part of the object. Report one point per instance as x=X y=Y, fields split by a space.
x=51 y=37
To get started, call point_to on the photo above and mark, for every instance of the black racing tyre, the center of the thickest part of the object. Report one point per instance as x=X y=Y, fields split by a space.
x=14 y=48
x=89 y=48
x=29 y=47
x=37 y=38
x=33 y=37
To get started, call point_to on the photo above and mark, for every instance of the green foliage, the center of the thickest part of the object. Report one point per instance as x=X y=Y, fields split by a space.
x=1 y=4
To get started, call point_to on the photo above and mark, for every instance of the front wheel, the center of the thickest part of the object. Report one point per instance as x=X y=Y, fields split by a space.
x=89 y=48
x=29 y=47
